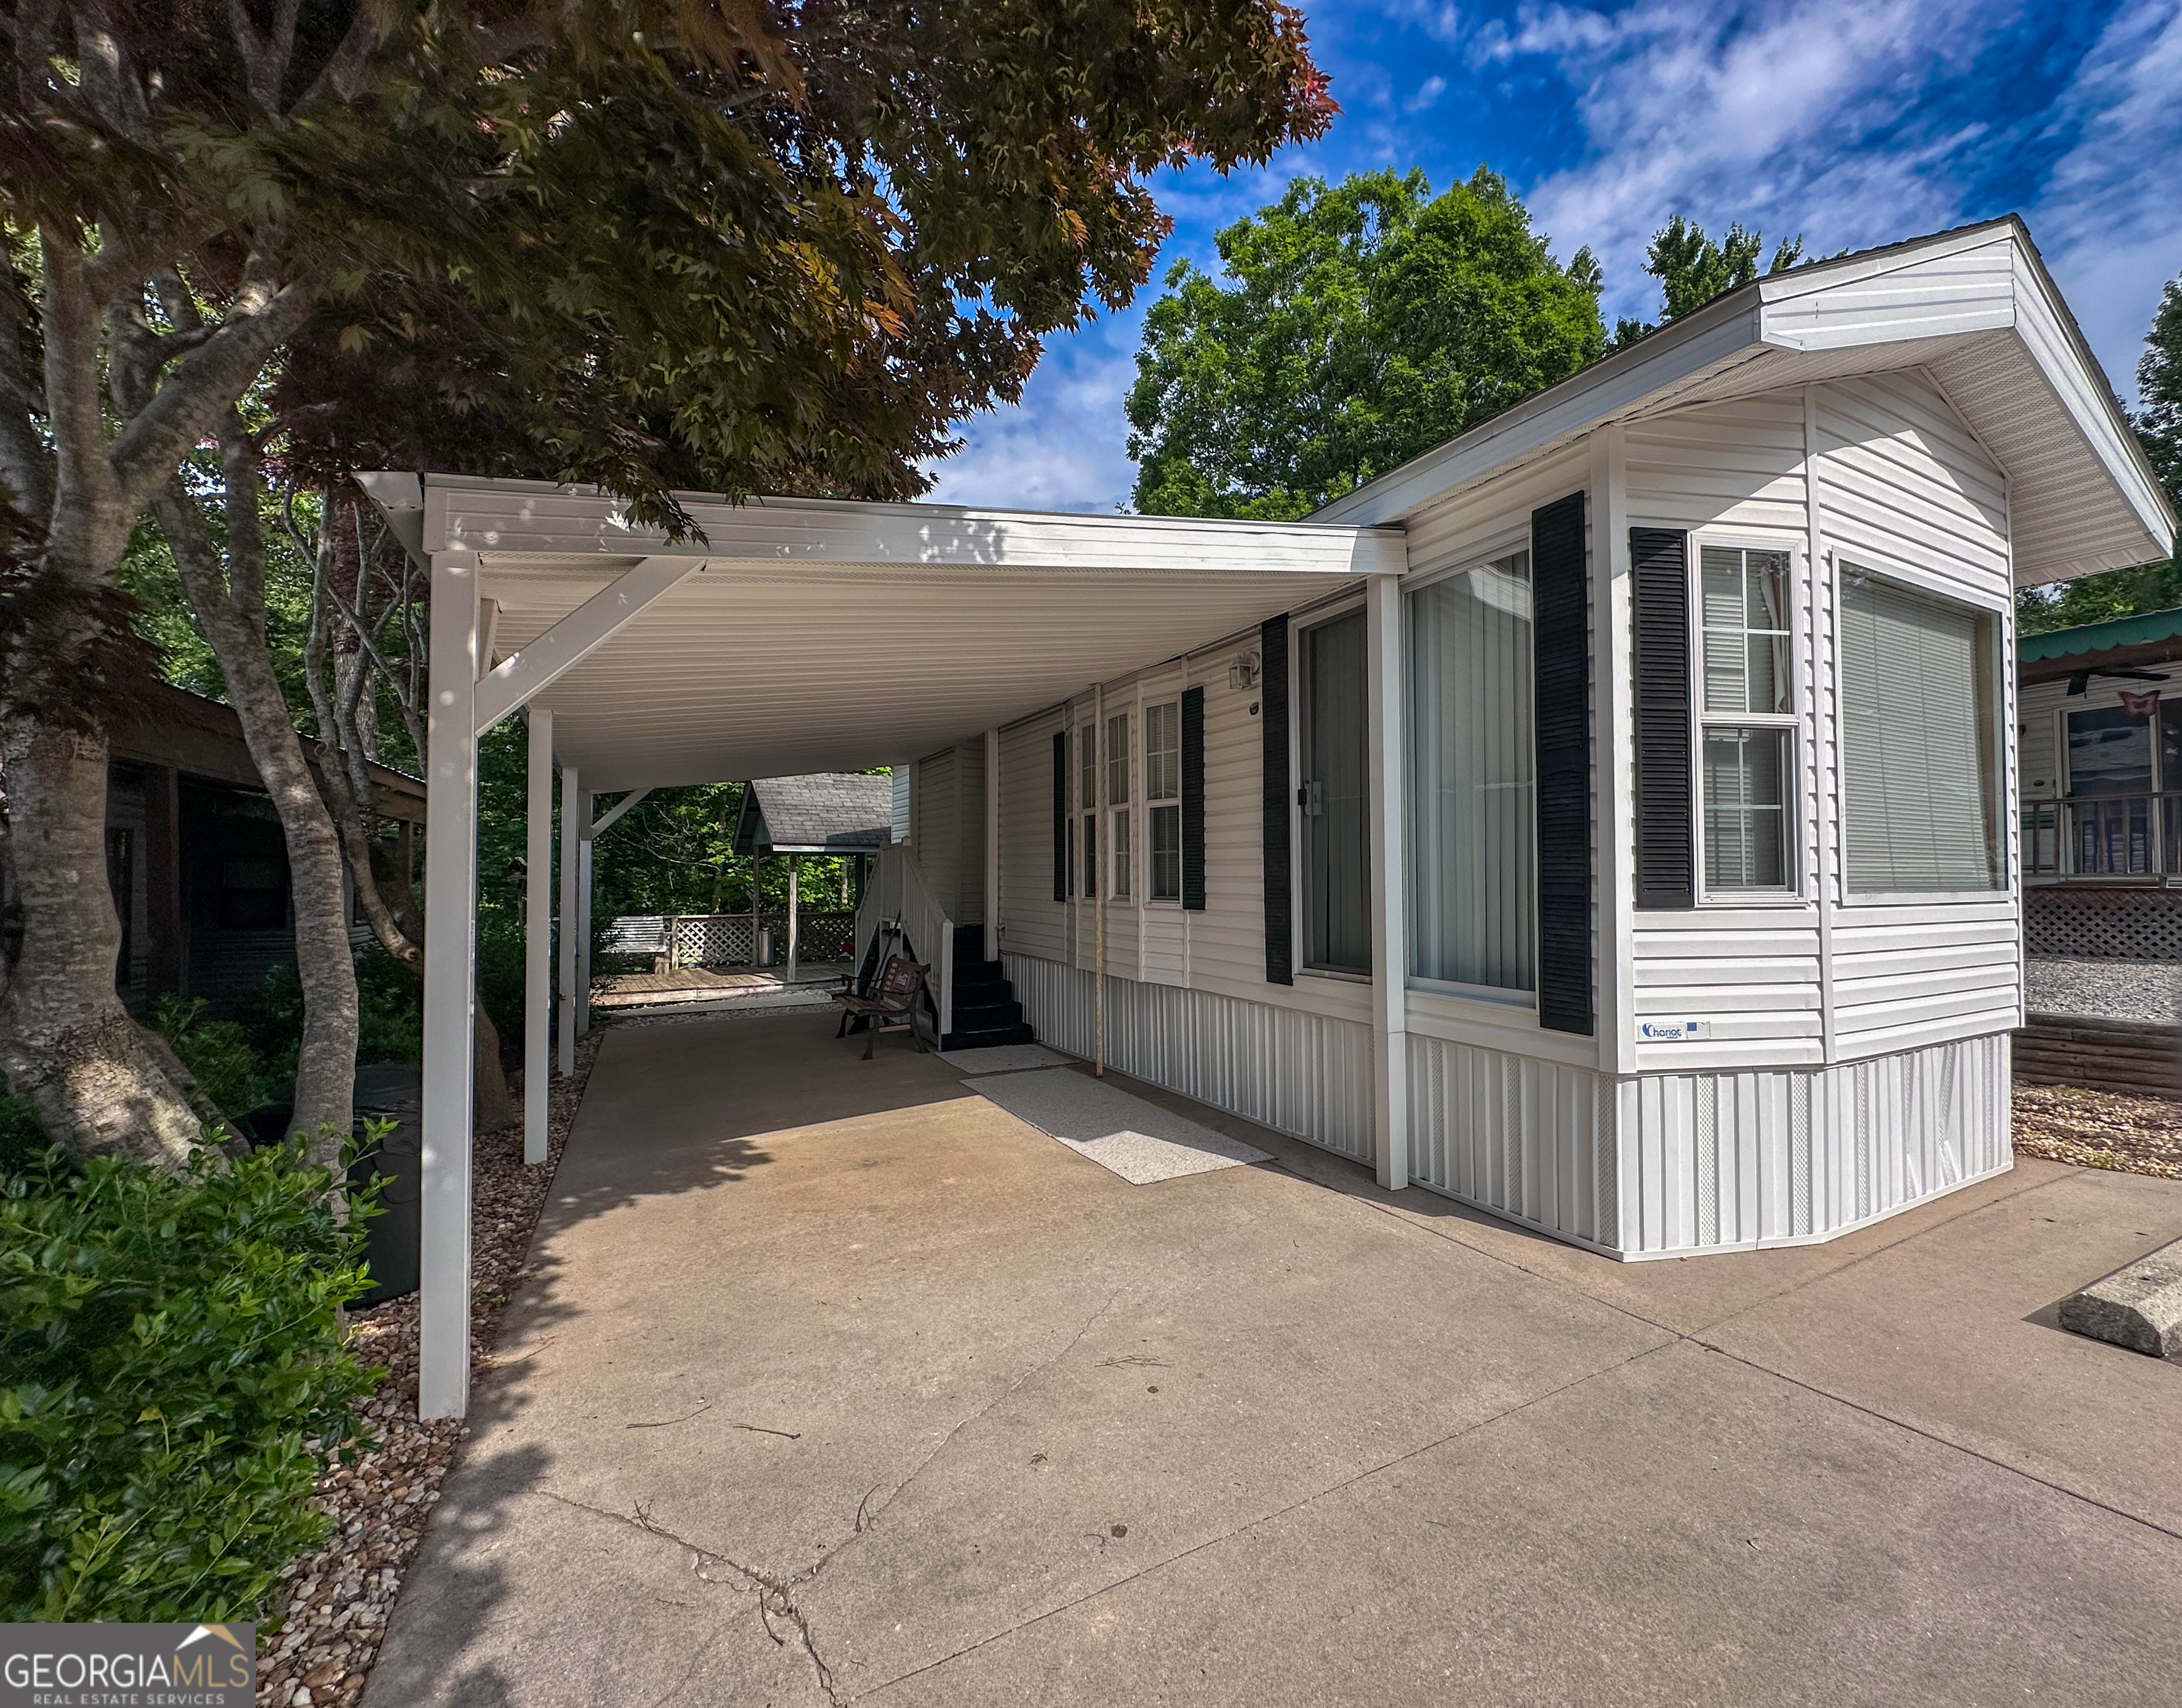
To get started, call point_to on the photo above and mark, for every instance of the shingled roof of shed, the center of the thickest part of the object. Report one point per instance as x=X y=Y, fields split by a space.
x=826 y=812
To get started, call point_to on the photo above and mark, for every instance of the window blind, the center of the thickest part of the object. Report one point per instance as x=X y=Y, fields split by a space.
x=1919 y=781
x=1473 y=915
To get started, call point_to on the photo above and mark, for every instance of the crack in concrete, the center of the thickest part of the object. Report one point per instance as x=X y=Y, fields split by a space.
x=867 y=1516
x=1295 y=1506
x=774 y=1595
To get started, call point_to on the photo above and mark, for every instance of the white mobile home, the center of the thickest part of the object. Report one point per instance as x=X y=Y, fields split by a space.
x=1607 y=819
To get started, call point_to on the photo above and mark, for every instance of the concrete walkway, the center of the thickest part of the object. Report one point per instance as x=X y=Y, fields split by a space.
x=834 y=1381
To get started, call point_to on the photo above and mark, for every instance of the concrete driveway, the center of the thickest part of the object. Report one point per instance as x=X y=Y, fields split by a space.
x=833 y=1380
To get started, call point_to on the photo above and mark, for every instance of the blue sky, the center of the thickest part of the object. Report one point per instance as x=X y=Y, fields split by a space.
x=1853 y=122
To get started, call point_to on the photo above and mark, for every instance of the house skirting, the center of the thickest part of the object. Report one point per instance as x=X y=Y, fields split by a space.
x=1653 y=1165
x=2114 y=921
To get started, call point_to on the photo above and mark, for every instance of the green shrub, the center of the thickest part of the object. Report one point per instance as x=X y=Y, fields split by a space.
x=389 y=1014
x=390 y=1010
x=500 y=975
x=218 y=1055
x=169 y=1348
x=23 y=1140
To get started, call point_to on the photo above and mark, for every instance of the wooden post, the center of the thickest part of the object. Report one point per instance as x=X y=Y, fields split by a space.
x=166 y=934
x=449 y=1105
x=572 y=819
x=1099 y=864
x=538 y=937
x=757 y=918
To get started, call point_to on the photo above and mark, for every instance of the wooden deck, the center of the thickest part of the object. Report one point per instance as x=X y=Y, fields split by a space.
x=706 y=984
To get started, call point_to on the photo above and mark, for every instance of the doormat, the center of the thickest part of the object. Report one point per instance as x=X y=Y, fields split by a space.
x=1003 y=1058
x=1138 y=1140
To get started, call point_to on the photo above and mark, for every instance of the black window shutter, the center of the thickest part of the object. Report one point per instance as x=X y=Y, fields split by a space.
x=1659 y=591
x=1061 y=844
x=1273 y=707
x=1562 y=682
x=1192 y=799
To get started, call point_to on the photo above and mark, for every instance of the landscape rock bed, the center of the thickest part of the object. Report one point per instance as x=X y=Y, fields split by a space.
x=322 y=1651
x=2100 y=1130
x=2112 y=990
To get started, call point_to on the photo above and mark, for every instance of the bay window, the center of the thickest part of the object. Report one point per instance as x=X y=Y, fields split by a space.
x=1919 y=740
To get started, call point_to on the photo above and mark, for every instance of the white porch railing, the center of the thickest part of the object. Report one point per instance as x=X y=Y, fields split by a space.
x=895 y=892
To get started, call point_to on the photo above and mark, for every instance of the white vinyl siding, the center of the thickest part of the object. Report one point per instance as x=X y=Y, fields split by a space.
x=1918 y=774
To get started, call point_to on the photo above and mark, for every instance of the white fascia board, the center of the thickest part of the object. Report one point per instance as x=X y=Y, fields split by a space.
x=1714 y=337
x=537 y=517
x=2082 y=387
x=1827 y=275
x=399 y=496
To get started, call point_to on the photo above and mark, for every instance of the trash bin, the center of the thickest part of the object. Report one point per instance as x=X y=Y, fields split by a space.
x=768 y=947
x=394 y=1237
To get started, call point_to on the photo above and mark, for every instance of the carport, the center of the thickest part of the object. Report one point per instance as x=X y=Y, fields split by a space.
x=779 y=637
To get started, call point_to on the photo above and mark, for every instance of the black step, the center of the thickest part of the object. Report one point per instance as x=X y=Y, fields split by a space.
x=987 y=1038
x=1000 y=1009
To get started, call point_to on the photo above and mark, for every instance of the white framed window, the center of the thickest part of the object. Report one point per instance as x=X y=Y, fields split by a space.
x=1086 y=807
x=1118 y=806
x=1163 y=798
x=1921 y=740
x=1472 y=805
x=1746 y=721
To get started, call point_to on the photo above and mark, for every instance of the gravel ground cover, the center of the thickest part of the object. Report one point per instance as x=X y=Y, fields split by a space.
x=322 y=1651
x=2100 y=1130
x=2108 y=990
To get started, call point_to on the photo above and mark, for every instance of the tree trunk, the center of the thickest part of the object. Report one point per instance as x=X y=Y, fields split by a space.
x=494 y=1103
x=66 y=1043
x=232 y=617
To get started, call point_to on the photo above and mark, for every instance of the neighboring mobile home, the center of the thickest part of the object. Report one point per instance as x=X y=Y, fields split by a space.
x=1606 y=819
x=2100 y=721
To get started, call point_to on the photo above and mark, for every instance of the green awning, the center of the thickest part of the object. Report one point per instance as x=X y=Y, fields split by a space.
x=2140 y=630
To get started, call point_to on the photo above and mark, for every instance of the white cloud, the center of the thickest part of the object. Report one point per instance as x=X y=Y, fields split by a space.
x=2108 y=219
x=1440 y=21
x=1815 y=117
x=1061 y=448
x=1427 y=95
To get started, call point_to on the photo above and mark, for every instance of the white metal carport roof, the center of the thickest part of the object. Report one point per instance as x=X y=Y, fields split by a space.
x=822 y=635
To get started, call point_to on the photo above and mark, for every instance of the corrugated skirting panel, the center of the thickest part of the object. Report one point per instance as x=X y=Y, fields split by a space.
x=1300 y=1074
x=1722 y=1161
x=1528 y=1139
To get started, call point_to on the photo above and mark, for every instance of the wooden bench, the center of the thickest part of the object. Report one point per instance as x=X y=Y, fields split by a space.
x=893 y=998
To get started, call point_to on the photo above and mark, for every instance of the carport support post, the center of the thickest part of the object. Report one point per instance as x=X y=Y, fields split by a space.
x=584 y=918
x=443 y=1360
x=1390 y=946
x=794 y=905
x=572 y=817
x=538 y=936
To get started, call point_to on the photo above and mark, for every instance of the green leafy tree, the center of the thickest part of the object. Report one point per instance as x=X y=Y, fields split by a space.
x=2154 y=586
x=1692 y=269
x=1355 y=325
x=653 y=243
